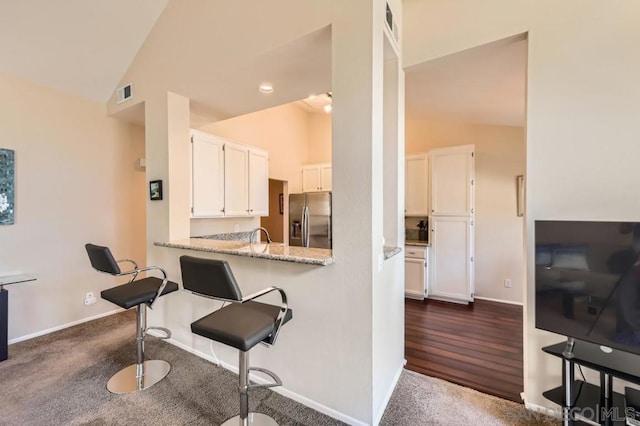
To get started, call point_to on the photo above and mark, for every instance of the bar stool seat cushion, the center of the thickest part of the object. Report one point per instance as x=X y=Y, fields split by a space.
x=140 y=291
x=240 y=325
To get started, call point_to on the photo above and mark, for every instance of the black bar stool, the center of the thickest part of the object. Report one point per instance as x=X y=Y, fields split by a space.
x=139 y=293
x=242 y=324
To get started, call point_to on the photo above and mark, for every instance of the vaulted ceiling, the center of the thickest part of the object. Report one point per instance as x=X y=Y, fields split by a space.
x=85 y=47
x=77 y=46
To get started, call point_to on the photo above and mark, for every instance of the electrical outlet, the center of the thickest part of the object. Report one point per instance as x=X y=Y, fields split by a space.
x=507 y=283
x=89 y=298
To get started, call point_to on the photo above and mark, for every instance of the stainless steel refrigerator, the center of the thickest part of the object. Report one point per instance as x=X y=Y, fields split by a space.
x=310 y=219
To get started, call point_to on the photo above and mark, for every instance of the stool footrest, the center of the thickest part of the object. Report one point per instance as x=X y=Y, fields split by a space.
x=274 y=376
x=166 y=331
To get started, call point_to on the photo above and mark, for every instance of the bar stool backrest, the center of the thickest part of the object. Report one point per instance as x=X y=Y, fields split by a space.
x=102 y=259
x=210 y=278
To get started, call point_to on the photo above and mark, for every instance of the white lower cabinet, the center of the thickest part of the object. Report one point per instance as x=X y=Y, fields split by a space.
x=415 y=272
x=451 y=272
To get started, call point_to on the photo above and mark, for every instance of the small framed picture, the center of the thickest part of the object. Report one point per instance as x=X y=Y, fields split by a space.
x=155 y=190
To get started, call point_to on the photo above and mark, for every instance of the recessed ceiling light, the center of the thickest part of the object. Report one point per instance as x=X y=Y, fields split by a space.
x=311 y=97
x=266 y=88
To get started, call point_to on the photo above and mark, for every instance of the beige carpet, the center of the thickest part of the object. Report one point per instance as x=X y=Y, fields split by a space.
x=59 y=379
x=422 y=400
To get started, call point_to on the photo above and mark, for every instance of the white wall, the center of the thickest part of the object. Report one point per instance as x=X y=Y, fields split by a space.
x=284 y=131
x=583 y=101
x=319 y=138
x=76 y=182
x=500 y=157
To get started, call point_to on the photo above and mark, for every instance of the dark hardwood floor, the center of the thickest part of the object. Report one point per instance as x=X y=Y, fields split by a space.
x=478 y=346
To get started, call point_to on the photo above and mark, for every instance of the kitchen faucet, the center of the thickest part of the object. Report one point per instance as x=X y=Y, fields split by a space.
x=255 y=231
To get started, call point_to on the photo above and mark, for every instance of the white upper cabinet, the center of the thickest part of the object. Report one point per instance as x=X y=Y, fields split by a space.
x=452 y=181
x=258 y=183
x=207 y=190
x=236 y=180
x=416 y=196
x=228 y=179
x=316 y=177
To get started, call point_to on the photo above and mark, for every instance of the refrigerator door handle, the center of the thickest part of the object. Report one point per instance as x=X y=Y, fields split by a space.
x=305 y=226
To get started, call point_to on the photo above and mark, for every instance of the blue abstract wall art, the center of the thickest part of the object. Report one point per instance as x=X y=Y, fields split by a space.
x=7 y=186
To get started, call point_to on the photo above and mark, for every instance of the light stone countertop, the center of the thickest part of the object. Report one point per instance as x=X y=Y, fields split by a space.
x=417 y=243
x=391 y=251
x=273 y=251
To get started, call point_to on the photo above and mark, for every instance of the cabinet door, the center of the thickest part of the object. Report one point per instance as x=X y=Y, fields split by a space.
x=310 y=179
x=236 y=180
x=325 y=177
x=451 y=272
x=207 y=176
x=414 y=278
x=416 y=196
x=258 y=183
x=452 y=181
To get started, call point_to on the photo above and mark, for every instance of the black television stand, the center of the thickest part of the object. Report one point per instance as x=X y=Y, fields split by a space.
x=578 y=399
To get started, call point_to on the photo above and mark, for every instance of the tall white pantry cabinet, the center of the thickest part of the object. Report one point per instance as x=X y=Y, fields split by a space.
x=451 y=223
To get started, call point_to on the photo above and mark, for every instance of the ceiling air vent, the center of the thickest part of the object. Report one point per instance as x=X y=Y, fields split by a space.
x=123 y=93
x=391 y=23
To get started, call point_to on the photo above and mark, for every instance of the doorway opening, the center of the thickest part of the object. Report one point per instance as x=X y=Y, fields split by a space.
x=275 y=223
x=475 y=97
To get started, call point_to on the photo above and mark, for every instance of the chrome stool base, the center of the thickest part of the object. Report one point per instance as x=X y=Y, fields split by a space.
x=128 y=380
x=254 y=419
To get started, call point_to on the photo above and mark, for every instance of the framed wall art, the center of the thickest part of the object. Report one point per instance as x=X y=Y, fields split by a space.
x=7 y=186
x=520 y=195
x=155 y=190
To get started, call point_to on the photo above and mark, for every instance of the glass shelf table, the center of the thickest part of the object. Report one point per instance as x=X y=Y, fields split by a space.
x=4 y=308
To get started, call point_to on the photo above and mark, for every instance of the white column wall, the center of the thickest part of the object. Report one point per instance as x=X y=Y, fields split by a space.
x=325 y=356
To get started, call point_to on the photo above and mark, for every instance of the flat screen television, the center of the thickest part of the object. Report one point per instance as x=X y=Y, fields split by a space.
x=587 y=281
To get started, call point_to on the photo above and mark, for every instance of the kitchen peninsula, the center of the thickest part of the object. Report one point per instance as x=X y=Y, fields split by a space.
x=273 y=251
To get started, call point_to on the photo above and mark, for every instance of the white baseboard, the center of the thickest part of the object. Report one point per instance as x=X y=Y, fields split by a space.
x=62 y=327
x=490 y=299
x=416 y=295
x=387 y=398
x=280 y=389
x=543 y=410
